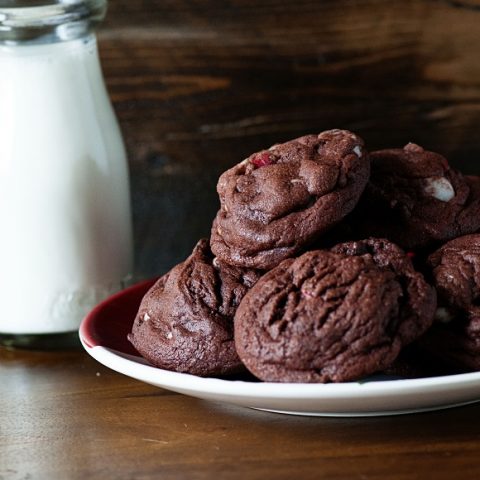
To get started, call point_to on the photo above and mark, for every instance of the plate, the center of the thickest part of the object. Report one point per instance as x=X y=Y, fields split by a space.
x=103 y=334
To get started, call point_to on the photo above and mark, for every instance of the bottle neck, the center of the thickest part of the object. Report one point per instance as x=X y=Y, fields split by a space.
x=77 y=50
x=48 y=21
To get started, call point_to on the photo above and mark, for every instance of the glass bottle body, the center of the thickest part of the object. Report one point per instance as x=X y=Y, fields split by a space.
x=66 y=239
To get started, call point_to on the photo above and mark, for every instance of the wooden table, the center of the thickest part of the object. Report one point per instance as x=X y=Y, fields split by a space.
x=64 y=416
x=198 y=85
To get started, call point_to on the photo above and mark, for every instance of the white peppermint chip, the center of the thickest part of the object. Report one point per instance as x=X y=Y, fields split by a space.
x=146 y=317
x=358 y=151
x=439 y=188
x=443 y=315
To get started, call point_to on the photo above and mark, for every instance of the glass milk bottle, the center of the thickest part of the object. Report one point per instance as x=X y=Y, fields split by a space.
x=66 y=235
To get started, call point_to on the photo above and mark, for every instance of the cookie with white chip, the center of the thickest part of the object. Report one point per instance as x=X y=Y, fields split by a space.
x=185 y=321
x=416 y=199
x=277 y=201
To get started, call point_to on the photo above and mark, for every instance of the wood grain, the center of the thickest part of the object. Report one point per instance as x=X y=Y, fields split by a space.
x=199 y=85
x=64 y=416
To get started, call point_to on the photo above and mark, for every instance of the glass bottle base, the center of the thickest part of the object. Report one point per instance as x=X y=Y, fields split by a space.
x=45 y=341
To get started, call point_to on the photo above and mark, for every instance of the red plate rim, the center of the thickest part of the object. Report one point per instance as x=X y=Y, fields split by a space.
x=109 y=323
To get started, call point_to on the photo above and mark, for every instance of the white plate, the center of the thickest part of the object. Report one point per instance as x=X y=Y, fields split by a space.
x=103 y=335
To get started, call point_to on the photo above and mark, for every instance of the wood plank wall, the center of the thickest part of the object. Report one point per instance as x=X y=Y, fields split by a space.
x=198 y=85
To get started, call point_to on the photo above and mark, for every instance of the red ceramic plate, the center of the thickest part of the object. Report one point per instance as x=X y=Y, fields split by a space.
x=108 y=324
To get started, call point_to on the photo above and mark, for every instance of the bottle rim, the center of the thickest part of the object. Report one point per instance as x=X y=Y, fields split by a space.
x=48 y=20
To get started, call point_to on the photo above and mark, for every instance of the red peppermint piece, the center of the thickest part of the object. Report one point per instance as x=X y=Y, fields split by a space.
x=262 y=159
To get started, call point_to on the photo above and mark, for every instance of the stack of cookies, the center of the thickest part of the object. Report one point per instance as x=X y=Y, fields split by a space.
x=324 y=263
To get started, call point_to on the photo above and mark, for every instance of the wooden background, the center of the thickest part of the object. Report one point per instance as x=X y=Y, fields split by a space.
x=198 y=85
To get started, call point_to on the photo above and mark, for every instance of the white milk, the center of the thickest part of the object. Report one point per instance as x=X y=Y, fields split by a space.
x=65 y=238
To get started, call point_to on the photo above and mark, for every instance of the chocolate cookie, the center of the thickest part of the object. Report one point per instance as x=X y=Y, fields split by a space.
x=456 y=272
x=332 y=317
x=279 y=200
x=455 y=340
x=185 y=321
x=419 y=298
x=455 y=336
x=415 y=199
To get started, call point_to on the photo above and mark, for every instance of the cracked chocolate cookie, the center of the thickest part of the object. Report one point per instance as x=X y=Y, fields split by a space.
x=277 y=201
x=415 y=199
x=455 y=336
x=332 y=317
x=185 y=321
x=419 y=298
x=456 y=271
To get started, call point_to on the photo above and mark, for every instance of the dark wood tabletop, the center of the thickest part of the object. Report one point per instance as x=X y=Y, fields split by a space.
x=64 y=416
x=197 y=86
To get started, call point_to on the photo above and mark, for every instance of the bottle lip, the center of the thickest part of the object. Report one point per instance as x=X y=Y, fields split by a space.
x=38 y=21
